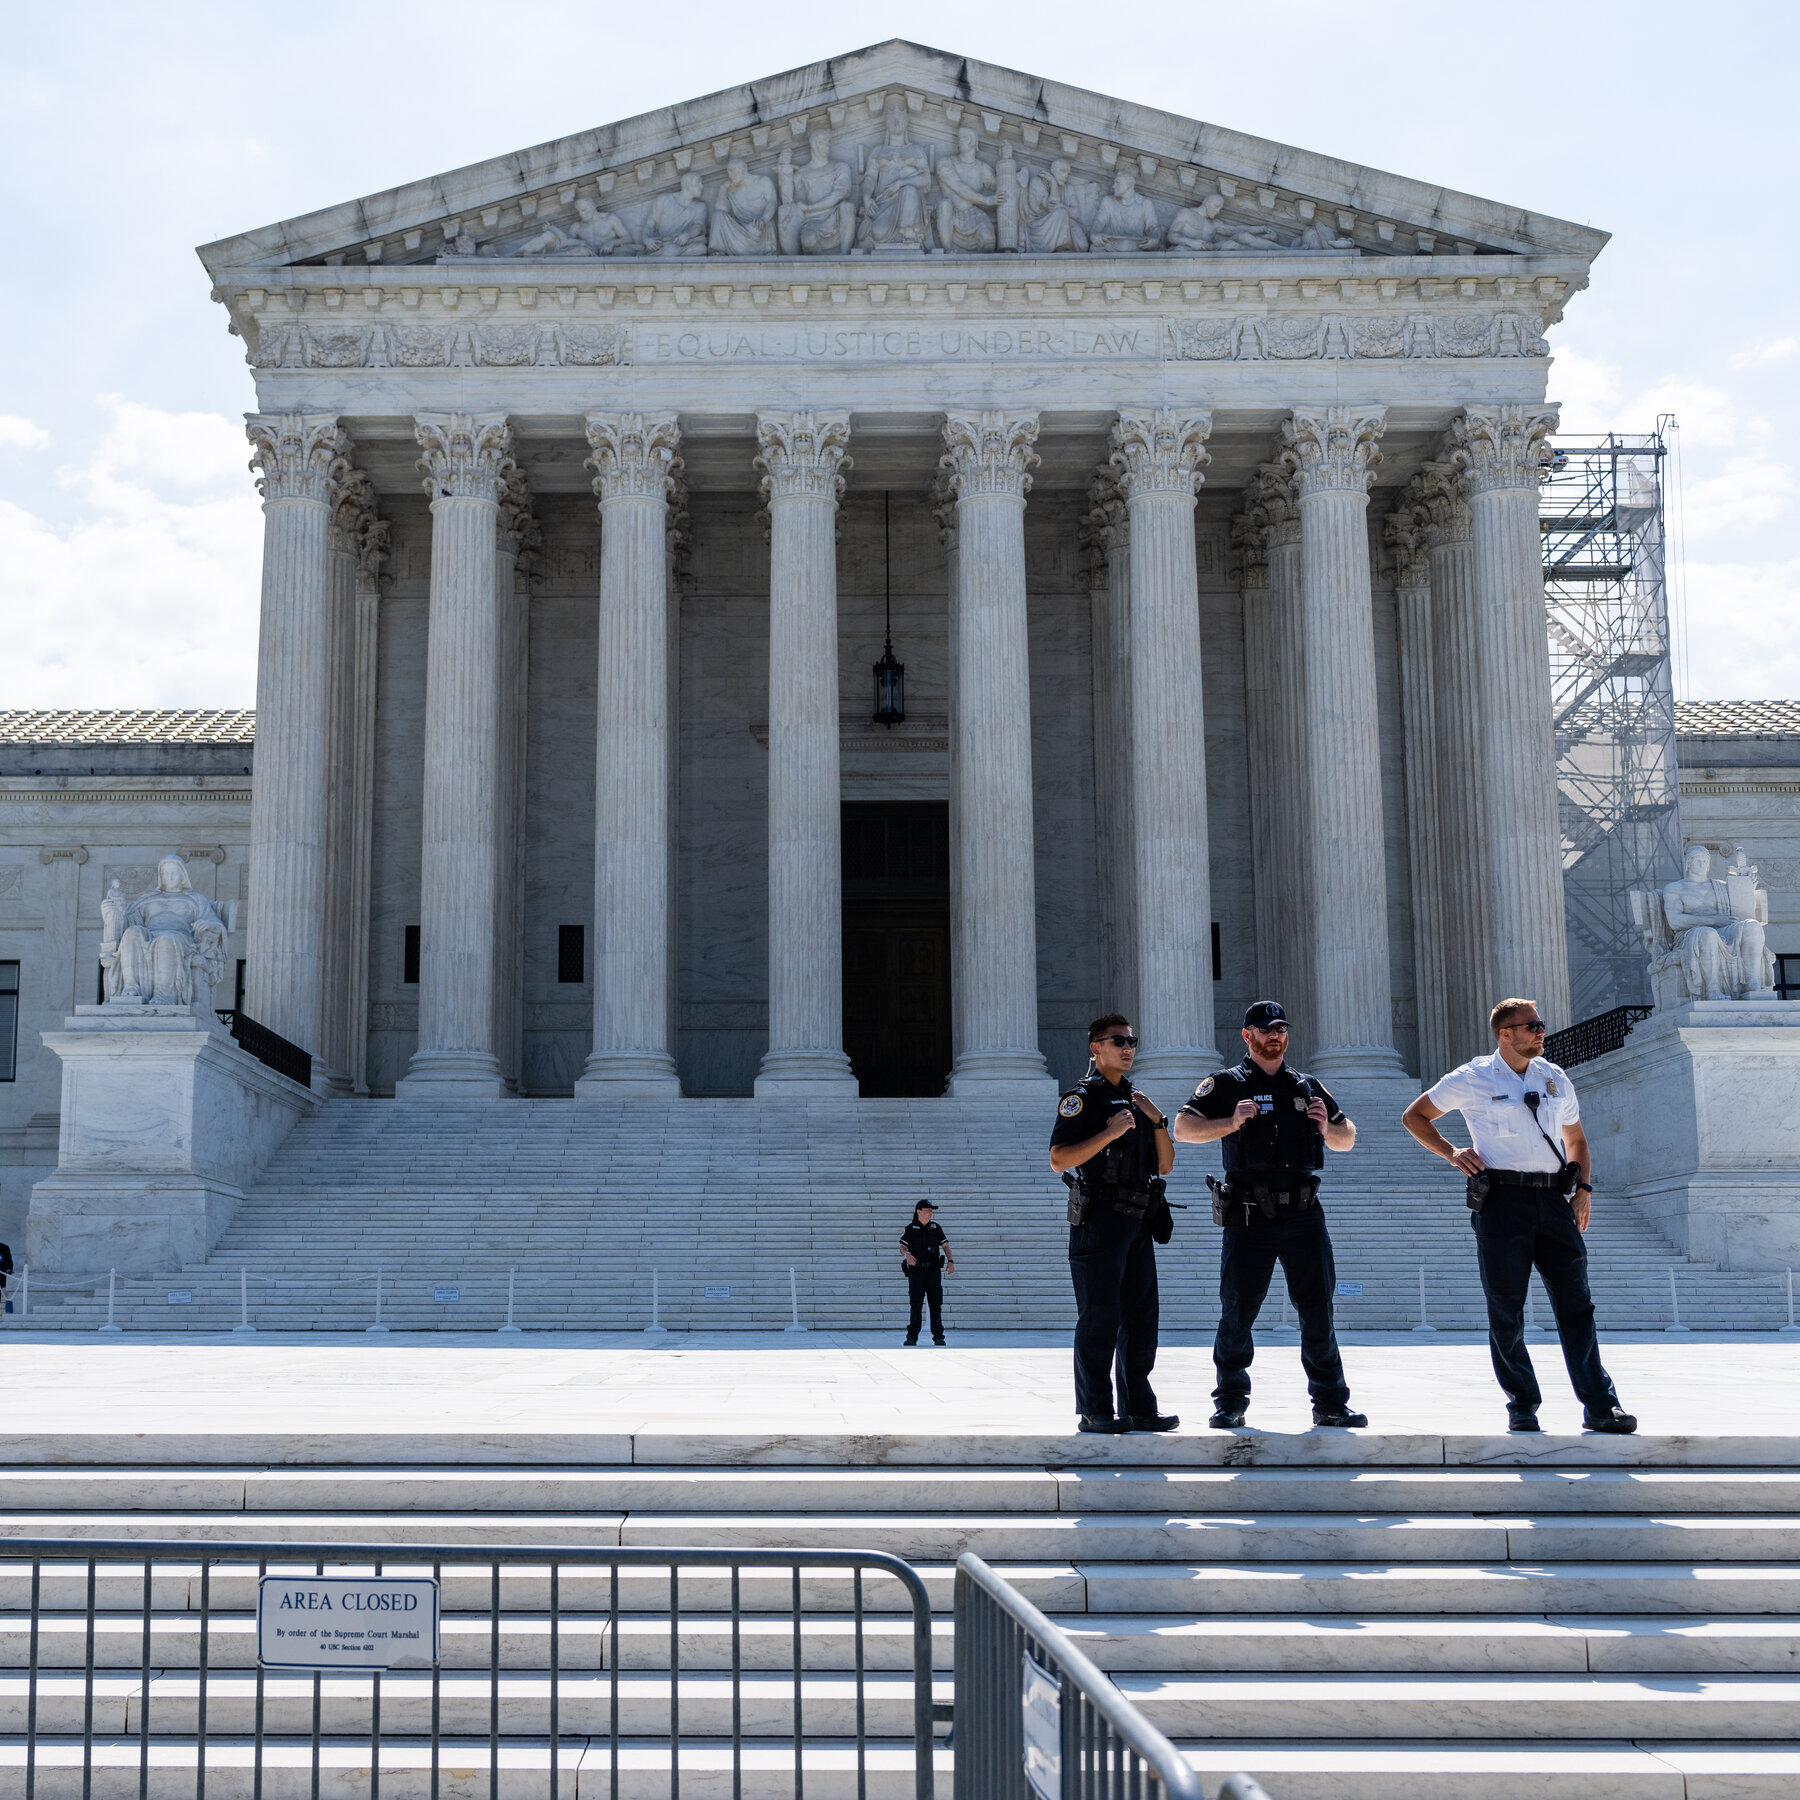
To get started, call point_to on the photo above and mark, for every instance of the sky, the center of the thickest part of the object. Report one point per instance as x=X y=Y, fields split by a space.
x=130 y=534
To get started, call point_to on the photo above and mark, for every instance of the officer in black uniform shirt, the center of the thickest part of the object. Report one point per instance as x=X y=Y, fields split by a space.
x=1109 y=1143
x=926 y=1251
x=1273 y=1126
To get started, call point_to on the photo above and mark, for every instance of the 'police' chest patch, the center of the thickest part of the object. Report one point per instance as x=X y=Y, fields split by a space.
x=1205 y=1088
x=1071 y=1105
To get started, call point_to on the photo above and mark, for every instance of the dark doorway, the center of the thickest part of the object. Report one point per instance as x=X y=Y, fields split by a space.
x=897 y=946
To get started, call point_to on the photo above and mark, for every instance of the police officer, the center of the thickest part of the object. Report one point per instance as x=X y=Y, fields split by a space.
x=1109 y=1144
x=1273 y=1126
x=1530 y=1199
x=926 y=1251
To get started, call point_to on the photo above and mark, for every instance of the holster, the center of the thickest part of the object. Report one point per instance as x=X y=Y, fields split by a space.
x=1079 y=1198
x=1475 y=1191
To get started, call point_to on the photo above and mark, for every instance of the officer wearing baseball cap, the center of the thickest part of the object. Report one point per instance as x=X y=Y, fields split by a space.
x=1273 y=1126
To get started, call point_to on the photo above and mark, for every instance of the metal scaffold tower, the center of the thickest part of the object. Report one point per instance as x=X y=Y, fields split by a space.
x=1606 y=596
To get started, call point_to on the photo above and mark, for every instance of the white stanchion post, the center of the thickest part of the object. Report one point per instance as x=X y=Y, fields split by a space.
x=794 y=1301
x=509 y=1325
x=377 y=1326
x=243 y=1323
x=112 y=1276
x=1424 y=1323
x=656 y=1326
x=1789 y=1326
x=1674 y=1303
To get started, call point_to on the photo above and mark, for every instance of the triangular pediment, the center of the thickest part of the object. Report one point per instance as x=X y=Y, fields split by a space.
x=1044 y=163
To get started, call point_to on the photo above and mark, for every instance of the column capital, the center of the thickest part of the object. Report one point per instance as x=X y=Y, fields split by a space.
x=518 y=525
x=1408 y=532
x=1160 y=452
x=1504 y=445
x=943 y=507
x=1105 y=530
x=1443 y=490
x=356 y=518
x=989 y=453
x=634 y=455
x=1250 y=539
x=467 y=455
x=802 y=455
x=296 y=455
x=1272 y=501
x=1334 y=448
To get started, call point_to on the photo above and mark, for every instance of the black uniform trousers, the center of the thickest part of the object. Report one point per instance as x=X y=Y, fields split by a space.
x=1299 y=1241
x=1517 y=1230
x=924 y=1284
x=1112 y=1261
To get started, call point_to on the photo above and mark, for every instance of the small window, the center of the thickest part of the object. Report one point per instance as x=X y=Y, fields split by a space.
x=9 y=1021
x=1218 y=964
x=410 y=971
x=571 y=954
x=1787 y=977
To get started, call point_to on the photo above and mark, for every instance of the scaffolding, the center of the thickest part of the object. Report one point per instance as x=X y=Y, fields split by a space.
x=1606 y=597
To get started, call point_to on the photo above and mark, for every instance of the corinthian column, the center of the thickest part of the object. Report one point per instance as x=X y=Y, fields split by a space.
x=1335 y=455
x=371 y=541
x=1408 y=532
x=1529 y=951
x=802 y=459
x=634 y=464
x=465 y=465
x=1457 y=708
x=515 y=554
x=1109 y=627
x=986 y=460
x=296 y=456
x=1157 y=457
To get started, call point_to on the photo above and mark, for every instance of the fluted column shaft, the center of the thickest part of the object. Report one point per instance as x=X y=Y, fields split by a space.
x=1458 y=709
x=634 y=464
x=1295 y=901
x=987 y=460
x=1158 y=457
x=296 y=455
x=1407 y=531
x=802 y=458
x=1528 y=945
x=1334 y=448
x=1109 y=604
x=366 y=656
x=1259 y=748
x=516 y=547
x=465 y=464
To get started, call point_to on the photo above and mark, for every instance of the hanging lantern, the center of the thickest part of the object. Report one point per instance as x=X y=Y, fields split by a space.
x=890 y=675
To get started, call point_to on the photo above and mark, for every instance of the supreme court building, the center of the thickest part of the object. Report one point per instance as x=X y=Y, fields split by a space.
x=1191 y=478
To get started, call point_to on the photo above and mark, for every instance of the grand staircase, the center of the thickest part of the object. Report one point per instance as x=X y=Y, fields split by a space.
x=703 y=1207
x=1437 y=1620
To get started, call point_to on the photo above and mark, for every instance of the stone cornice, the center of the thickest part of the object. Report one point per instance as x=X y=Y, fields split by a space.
x=1160 y=452
x=634 y=455
x=1334 y=447
x=989 y=453
x=802 y=455
x=296 y=456
x=467 y=455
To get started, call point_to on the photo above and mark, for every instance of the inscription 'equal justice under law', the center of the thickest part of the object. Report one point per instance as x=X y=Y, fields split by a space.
x=871 y=343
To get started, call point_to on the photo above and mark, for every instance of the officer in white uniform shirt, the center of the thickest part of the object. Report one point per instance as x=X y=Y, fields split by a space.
x=1529 y=1201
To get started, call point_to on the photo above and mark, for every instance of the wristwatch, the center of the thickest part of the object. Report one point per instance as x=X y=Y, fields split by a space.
x=1161 y=1124
x=1584 y=1187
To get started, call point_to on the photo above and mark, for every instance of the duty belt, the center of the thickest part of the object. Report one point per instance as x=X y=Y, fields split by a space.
x=1132 y=1202
x=1524 y=1178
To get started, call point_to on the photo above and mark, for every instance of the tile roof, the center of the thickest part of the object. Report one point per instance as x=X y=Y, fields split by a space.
x=1736 y=718
x=143 y=725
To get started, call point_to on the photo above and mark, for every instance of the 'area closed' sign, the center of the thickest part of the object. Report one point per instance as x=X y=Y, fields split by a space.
x=336 y=1622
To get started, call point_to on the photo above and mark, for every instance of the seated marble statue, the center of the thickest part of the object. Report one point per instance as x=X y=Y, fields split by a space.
x=743 y=216
x=895 y=176
x=1717 y=930
x=1047 y=221
x=1125 y=220
x=965 y=215
x=818 y=209
x=1198 y=228
x=675 y=225
x=1320 y=236
x=166 y=947
x=594 y=233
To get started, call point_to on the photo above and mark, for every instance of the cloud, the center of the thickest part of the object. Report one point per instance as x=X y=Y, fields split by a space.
x=17 y=433
x=1775 y=350
x=1594 y=400
x=1750 y=492
x=149 y=598
x=1740 y=637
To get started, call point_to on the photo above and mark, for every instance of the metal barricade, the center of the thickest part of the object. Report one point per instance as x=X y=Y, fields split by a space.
x=1037 y=1720
x=144 y=1666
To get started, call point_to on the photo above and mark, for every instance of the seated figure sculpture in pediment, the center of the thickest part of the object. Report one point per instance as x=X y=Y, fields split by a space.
x=743 y=216
x=1125 y=221
x=166 y=947
x=974 y=199
x=1047 y=220
x=1706 y=937
x=817 y=216
x=676 y=224
x=1198 y=228
x=594 y=233
x=896 y=175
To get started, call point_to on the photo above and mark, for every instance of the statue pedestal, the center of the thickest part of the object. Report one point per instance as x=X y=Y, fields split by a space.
x=1696 y=1121
x=165 y=1121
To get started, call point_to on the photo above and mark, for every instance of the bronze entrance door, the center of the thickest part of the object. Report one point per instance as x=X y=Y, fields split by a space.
x=897 y=946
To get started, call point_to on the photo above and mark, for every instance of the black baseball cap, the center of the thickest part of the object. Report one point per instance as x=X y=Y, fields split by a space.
x=1261 y=1014
x=932 y=1204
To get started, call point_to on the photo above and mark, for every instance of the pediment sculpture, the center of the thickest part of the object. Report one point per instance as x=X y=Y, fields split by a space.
x=1706 y=935
x=166 y=947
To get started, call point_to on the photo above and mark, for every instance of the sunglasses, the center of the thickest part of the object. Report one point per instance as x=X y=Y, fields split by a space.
x=1527 y=1025
x=1276 y=1030
x=1119 y=1041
